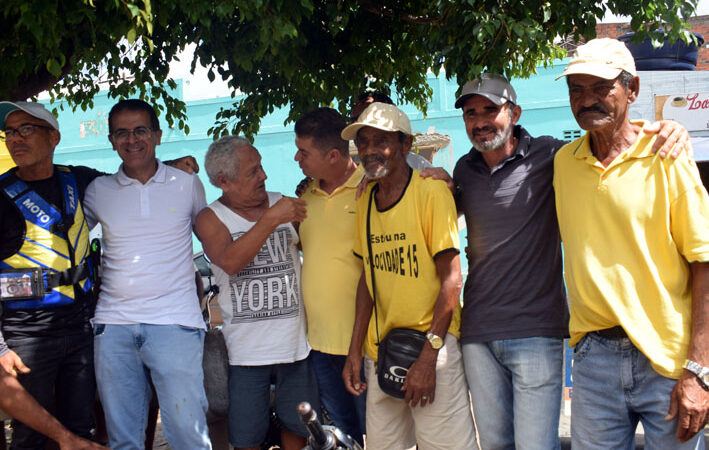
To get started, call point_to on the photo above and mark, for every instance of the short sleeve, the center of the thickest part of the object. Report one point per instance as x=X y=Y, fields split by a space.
x=89 y=205
x=361 y=221
x=199 y=199
x=689 y=209
x=441 y=225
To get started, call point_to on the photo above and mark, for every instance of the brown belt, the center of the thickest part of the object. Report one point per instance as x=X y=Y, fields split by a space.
x=612 y=333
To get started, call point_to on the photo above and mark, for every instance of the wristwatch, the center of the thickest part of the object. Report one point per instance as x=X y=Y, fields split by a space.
x=700 y=371
x=435 y=340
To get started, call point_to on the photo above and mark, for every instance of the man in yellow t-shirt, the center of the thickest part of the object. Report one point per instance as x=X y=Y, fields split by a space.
x=413 y=258
x=330 y=270
x=635 y=230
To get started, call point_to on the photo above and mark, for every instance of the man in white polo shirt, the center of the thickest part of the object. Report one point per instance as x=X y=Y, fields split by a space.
x=148 y=323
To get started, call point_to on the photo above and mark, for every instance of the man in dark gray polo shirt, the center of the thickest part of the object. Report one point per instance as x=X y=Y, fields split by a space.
x=515 y=315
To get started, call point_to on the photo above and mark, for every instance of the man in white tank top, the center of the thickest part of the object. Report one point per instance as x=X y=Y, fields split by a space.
x=249 y=236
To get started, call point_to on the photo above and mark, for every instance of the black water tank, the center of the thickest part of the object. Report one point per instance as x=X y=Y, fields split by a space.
x=677 y=56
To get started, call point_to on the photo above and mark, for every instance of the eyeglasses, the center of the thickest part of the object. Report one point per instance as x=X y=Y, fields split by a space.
x=140 y=133
x=24 y=130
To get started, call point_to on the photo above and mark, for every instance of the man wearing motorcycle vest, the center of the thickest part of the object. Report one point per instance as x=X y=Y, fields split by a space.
x=45 y=273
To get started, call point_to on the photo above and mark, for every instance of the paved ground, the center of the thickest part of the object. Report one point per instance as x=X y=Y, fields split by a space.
x=564 y=433
x=564 y=426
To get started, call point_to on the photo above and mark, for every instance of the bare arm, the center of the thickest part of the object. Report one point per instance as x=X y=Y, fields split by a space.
x=672 y=138
x=363 y=312
x=421 y=378
x=186 y=164
x=199 y=285
x=689 y=400
x=233 y=256
x=19 y=404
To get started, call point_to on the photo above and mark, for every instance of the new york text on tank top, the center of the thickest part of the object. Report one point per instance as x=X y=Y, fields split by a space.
x=268 y=288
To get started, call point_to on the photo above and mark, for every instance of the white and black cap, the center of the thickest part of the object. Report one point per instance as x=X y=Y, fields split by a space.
x=33 y=109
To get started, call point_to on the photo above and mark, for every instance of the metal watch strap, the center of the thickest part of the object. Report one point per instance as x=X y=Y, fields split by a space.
x=700 y=371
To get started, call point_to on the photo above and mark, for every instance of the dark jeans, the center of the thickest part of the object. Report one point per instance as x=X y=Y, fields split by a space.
x=61 y=380
x=347 y=411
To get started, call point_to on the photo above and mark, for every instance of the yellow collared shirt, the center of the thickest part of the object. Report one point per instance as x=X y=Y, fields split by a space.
x=330 y=270
x=630 y=231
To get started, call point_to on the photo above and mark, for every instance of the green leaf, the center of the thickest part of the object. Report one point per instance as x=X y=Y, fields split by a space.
x=54 y=67
x=131 y=35
x=296 y=55
x=134 y=10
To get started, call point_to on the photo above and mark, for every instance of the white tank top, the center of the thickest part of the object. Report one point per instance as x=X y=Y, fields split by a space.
x=262 y=306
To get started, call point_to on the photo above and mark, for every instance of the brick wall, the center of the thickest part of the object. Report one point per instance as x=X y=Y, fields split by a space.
x=699 y=24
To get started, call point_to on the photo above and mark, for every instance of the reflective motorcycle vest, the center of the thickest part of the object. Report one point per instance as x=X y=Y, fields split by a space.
x=47 y=243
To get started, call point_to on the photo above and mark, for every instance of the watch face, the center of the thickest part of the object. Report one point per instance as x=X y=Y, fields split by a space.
x=436 y=341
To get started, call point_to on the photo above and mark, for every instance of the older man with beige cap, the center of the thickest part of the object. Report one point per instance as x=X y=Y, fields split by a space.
x=407 y=236
x=634 y=228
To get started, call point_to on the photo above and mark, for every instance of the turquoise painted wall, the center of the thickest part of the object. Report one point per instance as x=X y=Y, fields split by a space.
x=84 y=140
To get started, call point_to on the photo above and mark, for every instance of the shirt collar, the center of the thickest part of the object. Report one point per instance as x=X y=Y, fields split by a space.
x=160 y=176
x=639 y=149
x=355 y=178
x=352 y=182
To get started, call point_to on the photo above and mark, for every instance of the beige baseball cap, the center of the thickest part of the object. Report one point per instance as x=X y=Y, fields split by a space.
x=604 y=58
x=381 y=116
x=33 y=109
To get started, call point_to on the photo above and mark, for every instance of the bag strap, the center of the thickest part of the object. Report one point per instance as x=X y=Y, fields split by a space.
x=371 y=260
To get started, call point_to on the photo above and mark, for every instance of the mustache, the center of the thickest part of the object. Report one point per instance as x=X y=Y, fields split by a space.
x=374 y=158
x=593 y=108
x=487 y=129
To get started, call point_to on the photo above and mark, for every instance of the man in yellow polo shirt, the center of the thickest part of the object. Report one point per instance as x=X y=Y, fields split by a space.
x=330 y=270
x=635 y=229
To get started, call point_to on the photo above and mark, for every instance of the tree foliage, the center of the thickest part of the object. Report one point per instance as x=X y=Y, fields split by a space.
x=302 y=53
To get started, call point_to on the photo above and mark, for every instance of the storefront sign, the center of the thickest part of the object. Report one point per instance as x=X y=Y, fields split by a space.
x=689 y=109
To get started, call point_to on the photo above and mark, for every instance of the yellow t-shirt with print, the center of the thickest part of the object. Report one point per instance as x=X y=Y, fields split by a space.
x=630 y=231
x=330 y=270
x=405 y=239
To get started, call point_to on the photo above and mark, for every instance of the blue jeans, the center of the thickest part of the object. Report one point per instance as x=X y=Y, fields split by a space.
x=615 y=387
x=249 y=399
x=346 y=411
x=126 y=356
x=515 y=385
x=61 y=380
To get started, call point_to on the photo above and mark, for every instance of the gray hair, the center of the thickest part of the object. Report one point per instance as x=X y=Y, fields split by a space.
x=625 y=78
x=222 y=158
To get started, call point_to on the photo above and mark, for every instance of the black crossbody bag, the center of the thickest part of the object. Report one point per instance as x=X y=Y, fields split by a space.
x=401 y=346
